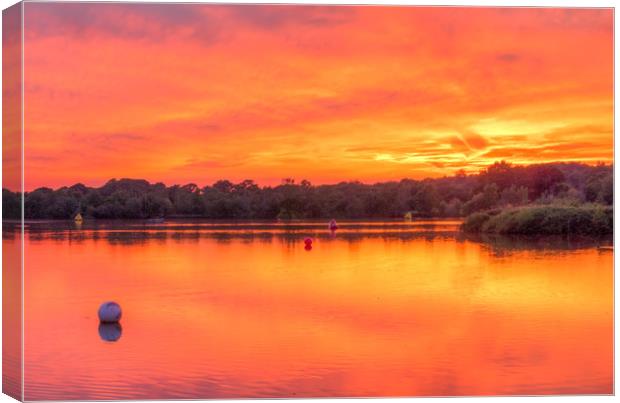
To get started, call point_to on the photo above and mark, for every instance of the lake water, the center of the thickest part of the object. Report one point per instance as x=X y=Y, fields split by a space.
x=225 y=310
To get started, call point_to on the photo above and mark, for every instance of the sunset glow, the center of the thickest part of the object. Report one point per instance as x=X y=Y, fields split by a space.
x=196 y=93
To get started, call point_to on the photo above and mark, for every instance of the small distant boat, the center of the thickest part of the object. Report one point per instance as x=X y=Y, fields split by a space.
x=78 y=218
x=155 y=220
x=606 y=248
x=333 y=225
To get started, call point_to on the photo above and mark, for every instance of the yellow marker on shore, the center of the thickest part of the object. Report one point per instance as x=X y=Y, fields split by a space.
x=78 y=218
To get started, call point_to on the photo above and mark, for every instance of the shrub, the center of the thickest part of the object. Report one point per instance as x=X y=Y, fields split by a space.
x=475 y=222
x=544 y=220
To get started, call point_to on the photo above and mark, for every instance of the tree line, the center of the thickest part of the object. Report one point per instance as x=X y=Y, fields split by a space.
x=499 y=185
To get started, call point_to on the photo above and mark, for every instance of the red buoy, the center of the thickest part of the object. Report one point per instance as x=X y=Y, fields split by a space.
x=308 y=241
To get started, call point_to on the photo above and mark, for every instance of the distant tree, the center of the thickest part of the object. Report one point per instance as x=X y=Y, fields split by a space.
x=453 y=208
x=62 y=207
x=600 y=188
x=606 y=194
x=37 y=202
x=11 y=204
x=514 y=196
x=246 y=185
x=426 y=200
x=485 y=200
x=223 y=186
x=502 y=174
x=501 y=184
x=541 y=178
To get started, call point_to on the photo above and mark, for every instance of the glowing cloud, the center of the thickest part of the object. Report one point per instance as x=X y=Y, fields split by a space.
x=181 y=93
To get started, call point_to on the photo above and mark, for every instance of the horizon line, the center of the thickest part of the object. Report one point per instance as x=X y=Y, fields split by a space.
x=299 y=182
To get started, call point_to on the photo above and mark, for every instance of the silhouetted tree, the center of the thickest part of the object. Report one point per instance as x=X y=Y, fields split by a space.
x=501 y=184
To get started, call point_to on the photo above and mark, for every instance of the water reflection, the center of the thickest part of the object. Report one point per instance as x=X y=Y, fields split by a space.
x=379 y=309
x=503 y=244
x=289 y=233
x=499 y=244
x=110 y=331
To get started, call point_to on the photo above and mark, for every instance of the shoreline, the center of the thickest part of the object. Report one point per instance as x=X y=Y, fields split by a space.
x=587 y=219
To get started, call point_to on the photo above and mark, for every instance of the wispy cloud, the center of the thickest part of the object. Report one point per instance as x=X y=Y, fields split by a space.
x=167 y=92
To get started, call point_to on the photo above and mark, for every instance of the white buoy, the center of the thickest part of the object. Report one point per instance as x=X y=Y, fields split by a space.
x=110 y=312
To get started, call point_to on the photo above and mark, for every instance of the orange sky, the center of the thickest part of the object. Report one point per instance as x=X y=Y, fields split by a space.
x=195 y=93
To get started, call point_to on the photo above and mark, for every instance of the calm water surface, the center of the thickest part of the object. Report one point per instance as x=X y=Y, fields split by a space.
x=223 y=310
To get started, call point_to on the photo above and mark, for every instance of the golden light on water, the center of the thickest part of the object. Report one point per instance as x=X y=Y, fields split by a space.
x=368 y=317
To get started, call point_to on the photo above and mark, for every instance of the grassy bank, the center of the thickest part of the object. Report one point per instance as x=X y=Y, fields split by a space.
x=544 y=220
